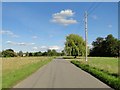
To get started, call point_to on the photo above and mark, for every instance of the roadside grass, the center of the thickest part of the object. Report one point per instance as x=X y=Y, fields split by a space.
x=107 y=64
x=103 y=68
x=71 y=57
x=0 y=73
x=67 y=57
x=16 y=69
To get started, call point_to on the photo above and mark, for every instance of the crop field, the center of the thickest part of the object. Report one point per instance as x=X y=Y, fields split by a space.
x=17 y=68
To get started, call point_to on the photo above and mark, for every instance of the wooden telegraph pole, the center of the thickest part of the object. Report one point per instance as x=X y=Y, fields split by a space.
x=86 y=34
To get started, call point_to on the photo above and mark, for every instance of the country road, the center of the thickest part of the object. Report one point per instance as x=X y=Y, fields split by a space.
x=60 y=74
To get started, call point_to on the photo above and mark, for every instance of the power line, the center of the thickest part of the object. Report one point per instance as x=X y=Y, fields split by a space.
x=90 y=10
x=90 y=7
x=93 y=9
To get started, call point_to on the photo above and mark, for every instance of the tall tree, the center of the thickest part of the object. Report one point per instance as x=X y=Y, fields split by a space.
x=74 y=45
x=111 y=43
x=98 y=44
x=108 y=46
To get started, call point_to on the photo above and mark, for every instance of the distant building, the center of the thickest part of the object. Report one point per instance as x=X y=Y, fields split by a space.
x=24 y=55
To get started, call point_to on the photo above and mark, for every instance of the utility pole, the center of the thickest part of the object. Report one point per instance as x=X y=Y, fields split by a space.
x=86 y=33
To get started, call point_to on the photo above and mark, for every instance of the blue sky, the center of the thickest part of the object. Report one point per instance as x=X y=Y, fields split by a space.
x=40 y=26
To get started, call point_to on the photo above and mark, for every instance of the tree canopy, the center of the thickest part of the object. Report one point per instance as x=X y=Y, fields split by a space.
x=108 y=46
x=74 y=45
x=9 y=53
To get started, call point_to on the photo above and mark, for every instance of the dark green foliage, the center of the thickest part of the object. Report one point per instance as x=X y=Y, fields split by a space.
x=44 y=54
x=38 y=53
x=9 y=53
x=48 y=53
x=62 y=53
x=0 y=54
x=109 y=47
x=111 y=80
x=30 y=54
x=74 y=45
x=51 y=52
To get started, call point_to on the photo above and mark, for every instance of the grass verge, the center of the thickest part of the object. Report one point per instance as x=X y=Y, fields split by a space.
x=13 y=77
x=68 y=57
x=110 y=80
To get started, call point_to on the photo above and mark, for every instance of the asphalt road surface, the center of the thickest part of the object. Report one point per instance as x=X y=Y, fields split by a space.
x=60 y=74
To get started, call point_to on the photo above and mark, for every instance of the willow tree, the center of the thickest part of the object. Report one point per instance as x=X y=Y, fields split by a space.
x=74 y=45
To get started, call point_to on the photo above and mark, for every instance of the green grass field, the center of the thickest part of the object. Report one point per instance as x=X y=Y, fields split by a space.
x=108 y=64
x=17 y=68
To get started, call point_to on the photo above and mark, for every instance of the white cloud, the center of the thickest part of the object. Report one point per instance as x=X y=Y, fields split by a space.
x=19 y=43
x=95 y=17
x=9 y=33
x=10 y=42
x=45 y=48
x=35 y=48
x=34 y=37
x=110 y=26
x=54 y=47
x=63 y=17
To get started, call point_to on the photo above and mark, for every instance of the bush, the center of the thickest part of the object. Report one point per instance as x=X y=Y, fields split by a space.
x=9 y=53
x=109 y=79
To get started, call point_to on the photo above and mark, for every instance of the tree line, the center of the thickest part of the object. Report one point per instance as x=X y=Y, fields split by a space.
x=106 y=47
x=75 y=46
x=103 y=47
x=12 y=53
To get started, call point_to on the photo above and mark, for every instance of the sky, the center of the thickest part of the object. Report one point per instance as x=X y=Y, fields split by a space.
x=60 y=0
x=38 y=26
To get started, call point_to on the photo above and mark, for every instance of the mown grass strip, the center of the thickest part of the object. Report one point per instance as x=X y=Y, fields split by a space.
x=110 y=80
x=14 y=77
